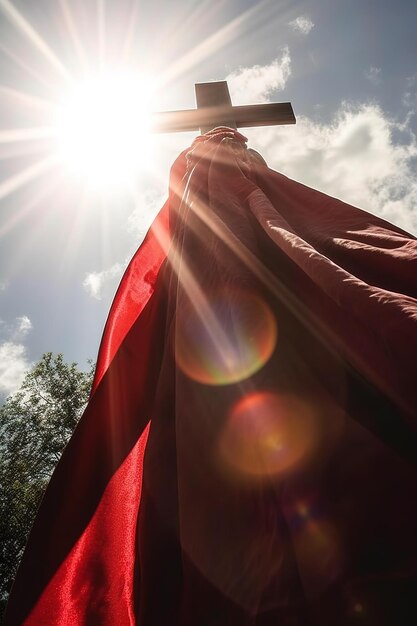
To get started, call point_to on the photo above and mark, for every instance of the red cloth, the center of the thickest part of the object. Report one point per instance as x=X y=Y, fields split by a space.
x=269 y=332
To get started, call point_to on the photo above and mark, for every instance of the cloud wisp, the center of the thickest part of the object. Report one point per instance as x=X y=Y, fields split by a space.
x=14 y=364
x=14 y=361
x=24 y=325
x=302 y=24
x=257 y=83
x=373 y=74
x=94 y=282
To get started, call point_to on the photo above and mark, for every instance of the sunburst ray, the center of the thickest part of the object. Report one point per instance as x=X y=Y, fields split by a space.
x=73 y=33
x=40 y=193
x=130 y=33
x=24 y=66
x=212 y=44
x=25 y=176
x=12 y=135
x=28 y=99
x=21 y=24
x=101 y=33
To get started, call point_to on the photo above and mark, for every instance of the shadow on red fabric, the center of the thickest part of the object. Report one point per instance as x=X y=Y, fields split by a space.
x=248 y=454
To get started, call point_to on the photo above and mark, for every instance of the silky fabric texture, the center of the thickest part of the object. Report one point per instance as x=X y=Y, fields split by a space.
x=268 y=334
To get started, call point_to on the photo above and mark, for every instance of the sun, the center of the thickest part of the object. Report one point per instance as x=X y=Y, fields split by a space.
x=103 y=129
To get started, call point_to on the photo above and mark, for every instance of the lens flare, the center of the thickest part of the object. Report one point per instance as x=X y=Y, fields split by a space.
x=317 y=546
x=227 y=341
x=267 y=434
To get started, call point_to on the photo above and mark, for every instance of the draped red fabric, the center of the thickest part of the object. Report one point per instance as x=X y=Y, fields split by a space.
x=248 y=454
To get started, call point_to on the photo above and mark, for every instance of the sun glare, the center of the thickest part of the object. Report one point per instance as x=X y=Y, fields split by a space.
x=103 y=130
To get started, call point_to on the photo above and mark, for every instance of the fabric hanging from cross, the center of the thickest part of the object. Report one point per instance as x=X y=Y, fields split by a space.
x=248 y=451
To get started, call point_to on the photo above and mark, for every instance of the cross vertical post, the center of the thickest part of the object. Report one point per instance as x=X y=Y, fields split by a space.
x=215 y=98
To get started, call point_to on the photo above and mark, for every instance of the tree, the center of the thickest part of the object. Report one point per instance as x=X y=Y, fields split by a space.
x=35 y=424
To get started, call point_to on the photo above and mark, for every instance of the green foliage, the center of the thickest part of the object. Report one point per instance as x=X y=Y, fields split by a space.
x=35 y=424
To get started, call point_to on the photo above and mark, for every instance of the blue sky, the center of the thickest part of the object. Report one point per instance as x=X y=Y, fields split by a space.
x=348 y=67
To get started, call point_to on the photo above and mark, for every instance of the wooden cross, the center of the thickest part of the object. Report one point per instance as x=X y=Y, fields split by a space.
x=214 y=108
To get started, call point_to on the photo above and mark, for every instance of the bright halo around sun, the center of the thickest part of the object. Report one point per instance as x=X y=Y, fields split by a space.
x=103 y=130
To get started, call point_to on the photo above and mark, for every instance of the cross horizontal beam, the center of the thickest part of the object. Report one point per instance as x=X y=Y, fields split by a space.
x=214 y=108
x=246 y=116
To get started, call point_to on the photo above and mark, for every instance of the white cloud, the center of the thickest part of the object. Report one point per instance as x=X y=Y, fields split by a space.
x=374 y=75
x=409 y=98
x=16 y=330
x=258 y=82
x=24 y=325
x=354 y=158
x=302 y=24
x=13 y=366
x=14 y=362
x=95 y=281
x=3 y=285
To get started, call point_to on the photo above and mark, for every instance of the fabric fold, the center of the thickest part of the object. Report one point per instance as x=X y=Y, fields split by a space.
x=248 y=453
